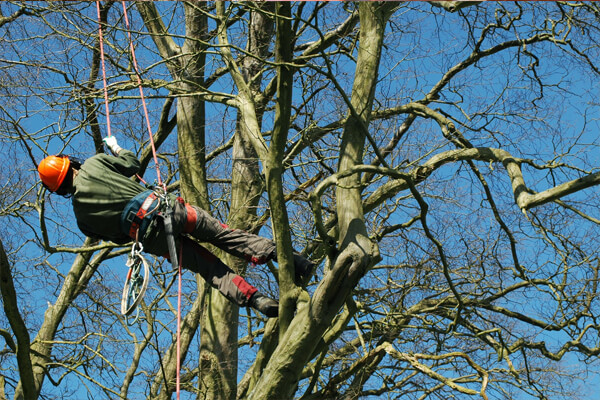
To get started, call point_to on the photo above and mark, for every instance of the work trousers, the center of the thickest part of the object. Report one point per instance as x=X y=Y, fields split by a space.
x=199 y=224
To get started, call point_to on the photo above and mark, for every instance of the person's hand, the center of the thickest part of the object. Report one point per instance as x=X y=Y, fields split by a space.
x=111 y=143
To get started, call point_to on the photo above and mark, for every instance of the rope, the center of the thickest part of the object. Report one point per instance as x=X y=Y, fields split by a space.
x=159 y=180
x=135 y=285
x=101 y=40
x=177 y=381
x=139 y=82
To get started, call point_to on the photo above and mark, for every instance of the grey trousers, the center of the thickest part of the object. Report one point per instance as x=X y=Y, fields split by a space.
x=199 y=224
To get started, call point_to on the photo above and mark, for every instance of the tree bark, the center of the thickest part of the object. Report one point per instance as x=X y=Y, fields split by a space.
x=274 y=166
x=312 y=319
x=41 y=347
x=191 y=109
x=220 y=357
x=188 y=71
x=28 y=386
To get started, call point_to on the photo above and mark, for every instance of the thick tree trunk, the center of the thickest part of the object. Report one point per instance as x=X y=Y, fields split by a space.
x=220 y=355
x=274 y=166
x=358 y=253
x=191 y=110
x=188 y=70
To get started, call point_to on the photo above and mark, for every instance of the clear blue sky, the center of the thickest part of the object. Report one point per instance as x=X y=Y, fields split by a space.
x=424 y=70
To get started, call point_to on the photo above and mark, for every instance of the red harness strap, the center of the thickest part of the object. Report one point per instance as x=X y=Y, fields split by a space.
x=191 y=218
x=141 y=213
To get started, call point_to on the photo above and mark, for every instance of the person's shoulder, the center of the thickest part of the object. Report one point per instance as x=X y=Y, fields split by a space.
x=97 y=161
x=98 y=156
x=94 y=158
x=125 y=159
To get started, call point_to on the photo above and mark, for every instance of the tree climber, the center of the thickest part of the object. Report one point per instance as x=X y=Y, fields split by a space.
x=108 y=205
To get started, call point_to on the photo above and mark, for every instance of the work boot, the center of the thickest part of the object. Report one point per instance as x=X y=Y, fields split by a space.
x=264 y=304
x=304 y=269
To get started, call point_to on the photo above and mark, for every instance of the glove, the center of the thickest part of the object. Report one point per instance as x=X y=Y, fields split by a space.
x=111 y=143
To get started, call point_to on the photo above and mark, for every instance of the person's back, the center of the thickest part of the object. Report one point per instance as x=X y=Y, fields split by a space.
x=102 y=188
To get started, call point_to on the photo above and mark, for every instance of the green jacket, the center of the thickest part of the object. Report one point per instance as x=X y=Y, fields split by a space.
x=102 y=188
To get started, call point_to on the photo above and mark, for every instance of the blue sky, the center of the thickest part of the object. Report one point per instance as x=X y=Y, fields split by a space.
x=420 y=68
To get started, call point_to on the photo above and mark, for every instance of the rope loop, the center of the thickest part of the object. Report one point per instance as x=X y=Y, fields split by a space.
x=136 y=282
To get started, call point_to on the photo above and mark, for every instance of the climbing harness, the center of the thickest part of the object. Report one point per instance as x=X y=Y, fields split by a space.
x=135 y=286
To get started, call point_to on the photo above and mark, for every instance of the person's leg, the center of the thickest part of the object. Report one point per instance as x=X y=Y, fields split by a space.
x=252 y=248
x=198 y=259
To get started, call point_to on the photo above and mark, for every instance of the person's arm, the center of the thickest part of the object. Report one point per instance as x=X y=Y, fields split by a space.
x=126 y=161
x=111 y=143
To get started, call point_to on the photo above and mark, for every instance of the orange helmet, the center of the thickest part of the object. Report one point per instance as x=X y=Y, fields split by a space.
x=53 y=170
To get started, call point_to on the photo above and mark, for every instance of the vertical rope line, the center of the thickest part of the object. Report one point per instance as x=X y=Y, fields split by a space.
x=178 y=380
x=101 y=40
x=149 y=127
x=139 y=82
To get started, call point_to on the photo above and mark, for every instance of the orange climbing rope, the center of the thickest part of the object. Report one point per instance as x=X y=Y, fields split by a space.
x=139 y=82
x=149 y=127
x=101 y=40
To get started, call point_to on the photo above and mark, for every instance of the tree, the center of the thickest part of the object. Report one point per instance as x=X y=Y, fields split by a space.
x=437 y=160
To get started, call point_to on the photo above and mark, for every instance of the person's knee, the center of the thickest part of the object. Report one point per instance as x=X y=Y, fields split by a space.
x=201 y=224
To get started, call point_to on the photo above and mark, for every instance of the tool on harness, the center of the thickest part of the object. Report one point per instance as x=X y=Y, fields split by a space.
x=135 y=284
x=167 y=215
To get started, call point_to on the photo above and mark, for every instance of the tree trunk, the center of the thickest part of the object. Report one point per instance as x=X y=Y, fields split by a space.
x=358 y=253
x=191 y=109
x=29 y=388
x=41 y=348
x=274 y=166
x=220 y=355
x=188 y=70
